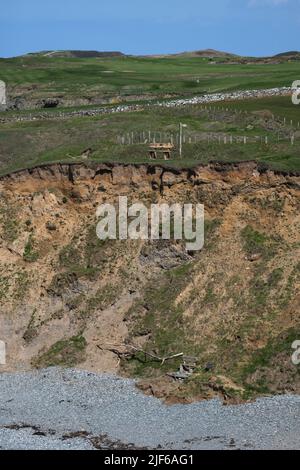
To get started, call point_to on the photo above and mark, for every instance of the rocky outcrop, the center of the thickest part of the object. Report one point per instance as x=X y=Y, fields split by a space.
x=127 y=174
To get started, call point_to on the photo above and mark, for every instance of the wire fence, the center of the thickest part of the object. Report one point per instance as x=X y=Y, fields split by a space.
x=154 y=137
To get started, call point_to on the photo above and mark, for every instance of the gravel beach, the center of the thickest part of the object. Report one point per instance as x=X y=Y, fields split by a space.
x=73 y=409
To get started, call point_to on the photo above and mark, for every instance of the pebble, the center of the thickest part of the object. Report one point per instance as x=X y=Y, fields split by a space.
x=59 y=401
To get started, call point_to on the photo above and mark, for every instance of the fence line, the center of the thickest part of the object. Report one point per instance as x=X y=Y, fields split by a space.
x=282 y=120
x=153 y=137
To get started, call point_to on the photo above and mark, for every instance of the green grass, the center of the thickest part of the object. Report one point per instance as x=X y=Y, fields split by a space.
x=31 y=330
x=258 y=243
x=125 y=76
x=280 y=106
x=261 y=288
x=23 y=282
x=29 y=254
x=103 y=298
x=263 y=357
x=66 y=352
x=26 y=144
x=9 y=222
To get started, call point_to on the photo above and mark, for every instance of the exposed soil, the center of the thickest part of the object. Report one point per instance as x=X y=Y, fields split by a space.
x=68 y=299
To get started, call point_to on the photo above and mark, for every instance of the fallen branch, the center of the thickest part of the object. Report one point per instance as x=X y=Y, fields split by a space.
x=121 y=354
x=160 y=359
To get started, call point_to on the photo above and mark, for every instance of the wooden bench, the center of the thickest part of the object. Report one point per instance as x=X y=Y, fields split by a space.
x=165 y=149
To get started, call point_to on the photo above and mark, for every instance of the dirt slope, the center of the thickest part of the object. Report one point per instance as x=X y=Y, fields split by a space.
x=66 y=298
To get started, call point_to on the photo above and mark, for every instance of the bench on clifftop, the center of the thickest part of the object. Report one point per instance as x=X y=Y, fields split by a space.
x=165 y=149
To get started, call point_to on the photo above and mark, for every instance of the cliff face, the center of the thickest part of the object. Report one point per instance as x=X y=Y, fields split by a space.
x=69 y=299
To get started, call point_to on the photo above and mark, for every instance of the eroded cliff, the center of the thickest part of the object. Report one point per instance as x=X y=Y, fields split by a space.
x=66 y=298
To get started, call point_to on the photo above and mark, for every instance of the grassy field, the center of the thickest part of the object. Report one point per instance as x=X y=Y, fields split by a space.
x=25 y=144
x=121 y=77
x=279 y=106
x=34 y=77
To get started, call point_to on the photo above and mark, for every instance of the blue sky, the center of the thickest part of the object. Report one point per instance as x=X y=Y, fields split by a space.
x=248 y=27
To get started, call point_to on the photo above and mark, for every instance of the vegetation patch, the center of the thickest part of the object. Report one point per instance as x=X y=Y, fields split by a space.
x=66 y=352
x=104 y=297
x=95 y=249
x=258 y=243
x=22 y=283
x=263 y=359
x=162 y=319
x=31 y=330
x=69 y=256
x=4 y=285
x=286 y=294
x=261 y=288
x=62 y=283
x=10 y=225
x=30 y=255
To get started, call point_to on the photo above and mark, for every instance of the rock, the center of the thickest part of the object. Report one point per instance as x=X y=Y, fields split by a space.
x=18 y=245
x=190 y=361
x=169 y=178
x=19 y=103
x=86 y=153
x=254 y=257
x=50 y=103
x=38 y=204
x=209 y=366
x=51 y=226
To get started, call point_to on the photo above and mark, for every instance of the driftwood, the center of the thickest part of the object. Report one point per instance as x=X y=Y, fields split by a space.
x=116 y=349
x=186 y=369
x=183 y=373
x=157 y=358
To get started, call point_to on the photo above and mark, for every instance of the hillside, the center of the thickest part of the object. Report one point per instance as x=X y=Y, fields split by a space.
x=76 y=54
x=204 y=53
x=69 y=299
x=208 y=53
x=72 y=79
x=290 y=55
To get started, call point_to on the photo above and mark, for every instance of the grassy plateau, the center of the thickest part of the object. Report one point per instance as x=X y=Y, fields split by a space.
x=114 y=80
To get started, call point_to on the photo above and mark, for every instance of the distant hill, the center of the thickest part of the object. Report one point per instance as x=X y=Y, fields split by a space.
x=228 y=57
x=219 y=56
x=288 y=55
x=78 y=54
x=206 y=53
